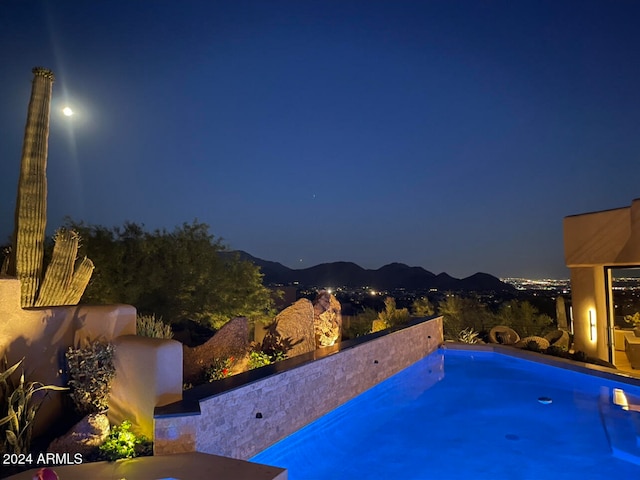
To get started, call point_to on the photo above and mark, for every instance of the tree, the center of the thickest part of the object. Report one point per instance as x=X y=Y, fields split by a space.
x=177 y=275
x=359 y=325
x=390 y=316
x=524 y=318
x=460 y=313
x=451 y=309
x=422 y=307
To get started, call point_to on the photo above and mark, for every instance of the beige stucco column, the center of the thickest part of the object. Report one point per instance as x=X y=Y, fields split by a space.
x=589 y=310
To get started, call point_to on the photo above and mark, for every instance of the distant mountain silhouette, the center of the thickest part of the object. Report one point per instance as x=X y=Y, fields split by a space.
x=388 y=277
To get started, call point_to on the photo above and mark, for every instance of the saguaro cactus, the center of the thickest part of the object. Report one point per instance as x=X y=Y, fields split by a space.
x=31 y=204
x=61 y=286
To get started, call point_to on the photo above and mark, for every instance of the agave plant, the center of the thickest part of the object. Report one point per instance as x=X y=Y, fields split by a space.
x=18 y=409
x=468 y=335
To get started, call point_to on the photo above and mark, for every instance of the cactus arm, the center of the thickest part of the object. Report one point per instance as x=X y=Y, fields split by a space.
x=79 y=281
x=57 y=278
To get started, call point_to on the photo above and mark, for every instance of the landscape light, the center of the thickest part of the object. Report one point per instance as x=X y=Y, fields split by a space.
x=620 y=399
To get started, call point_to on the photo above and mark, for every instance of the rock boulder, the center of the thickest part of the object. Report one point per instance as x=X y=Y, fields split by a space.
x=292 y=330
x=327 y=319
x=84 y=437
x=232 y=340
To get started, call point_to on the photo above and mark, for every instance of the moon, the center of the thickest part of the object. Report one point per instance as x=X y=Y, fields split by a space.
x=67 y=111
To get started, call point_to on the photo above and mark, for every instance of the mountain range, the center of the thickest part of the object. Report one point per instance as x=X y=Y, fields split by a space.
x=388 y=277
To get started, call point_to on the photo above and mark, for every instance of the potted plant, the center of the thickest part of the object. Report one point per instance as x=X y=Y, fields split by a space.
x=91 y=371
x=635 y=320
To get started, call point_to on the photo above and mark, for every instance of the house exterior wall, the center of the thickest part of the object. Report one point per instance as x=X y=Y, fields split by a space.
x=595 y=239
x=589 y=306
x=593 y=242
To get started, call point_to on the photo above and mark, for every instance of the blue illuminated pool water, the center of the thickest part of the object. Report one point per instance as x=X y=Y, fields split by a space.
x=472 y=415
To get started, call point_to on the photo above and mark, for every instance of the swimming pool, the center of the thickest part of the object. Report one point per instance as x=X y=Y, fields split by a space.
x=467 y=414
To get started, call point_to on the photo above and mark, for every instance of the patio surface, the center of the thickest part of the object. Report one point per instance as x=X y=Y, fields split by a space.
x=180 y=466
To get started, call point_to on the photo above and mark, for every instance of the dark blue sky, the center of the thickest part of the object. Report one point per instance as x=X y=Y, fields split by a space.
x=452 y=135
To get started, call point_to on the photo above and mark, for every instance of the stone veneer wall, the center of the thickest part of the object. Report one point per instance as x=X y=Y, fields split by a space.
x=228 y=425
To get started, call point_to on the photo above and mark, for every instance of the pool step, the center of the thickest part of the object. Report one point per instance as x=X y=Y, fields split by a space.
x=623 y=430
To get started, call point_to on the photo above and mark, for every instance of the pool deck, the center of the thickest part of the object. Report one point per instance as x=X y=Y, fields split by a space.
x=181 y=466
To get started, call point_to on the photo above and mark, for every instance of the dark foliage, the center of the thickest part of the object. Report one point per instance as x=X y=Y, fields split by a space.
x=176 y=275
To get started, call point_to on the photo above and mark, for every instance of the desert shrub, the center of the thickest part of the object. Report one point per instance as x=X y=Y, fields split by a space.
x=378 y=325
x=633 y=319
x=468 y=336
x=149 y=326
x=123 y=443
x=557 y=351
x=390 y=316
x=359 y=325
x=220 y=368
x=91 y=371
x=524 y=318
x=461 y=312
x=579 y=356
x=422 y=307
x=19 y=404
x=258 y=359
x=599 y=361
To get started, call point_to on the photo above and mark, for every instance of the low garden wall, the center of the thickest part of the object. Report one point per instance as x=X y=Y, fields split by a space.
x=42 y=335
x=242 y=415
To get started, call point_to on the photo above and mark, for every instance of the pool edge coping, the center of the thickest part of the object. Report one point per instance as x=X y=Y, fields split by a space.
x=581 y=367
x=191 y=398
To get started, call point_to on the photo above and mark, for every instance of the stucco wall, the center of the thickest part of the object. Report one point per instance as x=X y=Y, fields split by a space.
x=589 y=298
x=42 y=335
x=227 y=423
x=595 y=238
x=148 y=374
x=593 y=241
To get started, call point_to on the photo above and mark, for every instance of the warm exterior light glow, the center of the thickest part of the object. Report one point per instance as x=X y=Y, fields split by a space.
x=592 y=324
x=67 y=111
x=620 y=399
